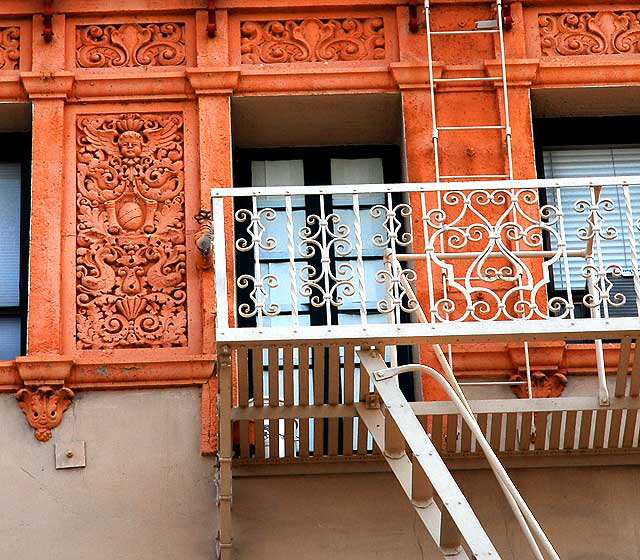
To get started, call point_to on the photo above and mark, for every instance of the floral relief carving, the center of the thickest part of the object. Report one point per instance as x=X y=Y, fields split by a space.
x=44 y=406
x=131 y=252
x=543 y=385
x=9 y=48
x=130 y=44
x=312 y=40
x=584 y=33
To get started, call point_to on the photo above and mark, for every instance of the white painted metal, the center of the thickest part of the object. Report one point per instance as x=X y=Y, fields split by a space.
x=386 y=385
x=609 y=181
x=441 y=333
x=425 y=453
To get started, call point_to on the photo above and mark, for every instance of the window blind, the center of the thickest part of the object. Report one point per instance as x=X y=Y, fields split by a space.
x=593 y=162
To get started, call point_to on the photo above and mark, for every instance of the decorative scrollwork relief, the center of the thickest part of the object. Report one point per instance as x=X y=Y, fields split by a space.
x=131 y=253
x=130 y=44
x=313 y=40
x=543 y=385
x=9 y=48
x=43 y=406
x=584 y=33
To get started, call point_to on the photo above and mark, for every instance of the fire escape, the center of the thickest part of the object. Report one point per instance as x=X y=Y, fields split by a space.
x=463 y=260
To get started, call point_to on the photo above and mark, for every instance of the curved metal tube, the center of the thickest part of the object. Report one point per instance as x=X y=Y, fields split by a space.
x=526 y=519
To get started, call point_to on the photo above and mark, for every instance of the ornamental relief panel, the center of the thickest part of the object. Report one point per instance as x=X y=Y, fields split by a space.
x=130 y=44
x=9 y=48
x=131 y=253
x=585 y=33
x=312 y=40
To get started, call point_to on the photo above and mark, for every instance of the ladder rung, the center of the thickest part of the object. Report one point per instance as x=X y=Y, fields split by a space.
x=473 y=127
x=479 y=79
x=474 y=176
x=465 y=32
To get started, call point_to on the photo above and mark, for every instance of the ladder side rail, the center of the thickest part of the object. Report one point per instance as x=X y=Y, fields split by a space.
x=429 y=459
x=385 y=374
x=449 y=382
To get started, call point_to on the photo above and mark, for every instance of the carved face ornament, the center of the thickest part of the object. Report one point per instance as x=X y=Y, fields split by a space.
x=43 y=408
x=130 y=144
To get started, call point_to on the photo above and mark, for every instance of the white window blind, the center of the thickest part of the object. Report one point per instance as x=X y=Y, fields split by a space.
x=593 y=162
x=9 y=259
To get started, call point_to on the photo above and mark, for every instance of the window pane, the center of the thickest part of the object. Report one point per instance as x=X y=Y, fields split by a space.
x=367 y=171
x=592 y=162
x=9 y=234
x=9 y=337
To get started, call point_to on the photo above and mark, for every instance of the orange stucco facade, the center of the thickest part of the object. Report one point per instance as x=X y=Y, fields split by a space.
x=119 y=296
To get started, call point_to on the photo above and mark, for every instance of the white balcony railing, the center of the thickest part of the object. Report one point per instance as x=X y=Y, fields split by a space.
x=357 y=258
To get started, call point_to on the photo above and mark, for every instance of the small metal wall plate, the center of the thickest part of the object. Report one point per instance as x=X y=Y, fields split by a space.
x=70 y=455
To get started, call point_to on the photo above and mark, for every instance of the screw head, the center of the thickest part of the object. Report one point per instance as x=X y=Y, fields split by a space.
x=69 y=454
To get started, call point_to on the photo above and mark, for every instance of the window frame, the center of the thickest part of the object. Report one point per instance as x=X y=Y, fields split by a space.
x=15 y=147
x=574 y=133
x=317 y=172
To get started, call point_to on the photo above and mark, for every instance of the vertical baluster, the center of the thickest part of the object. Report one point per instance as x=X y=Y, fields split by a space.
x=303 y=388
x=293 y=286
x=258 y=398
x=318 y=399
x=243 y=400
x=631 y=242
x=562 y=245
x=357 y=231
x=348 y=375
x=325 y=258
x=287 y=368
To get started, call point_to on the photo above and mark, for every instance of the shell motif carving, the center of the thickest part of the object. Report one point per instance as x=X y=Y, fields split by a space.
x=543 y=385
x=585 y=33
x=131 y=253
x=312 y=40
x=130 y=44
x=9 y=48
x=44 y=406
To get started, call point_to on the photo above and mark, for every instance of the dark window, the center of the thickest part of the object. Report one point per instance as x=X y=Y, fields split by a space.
x=317 y=166
x=14 y=242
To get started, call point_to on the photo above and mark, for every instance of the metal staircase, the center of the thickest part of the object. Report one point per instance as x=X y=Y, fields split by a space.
x=423 y=475
x=291 y=367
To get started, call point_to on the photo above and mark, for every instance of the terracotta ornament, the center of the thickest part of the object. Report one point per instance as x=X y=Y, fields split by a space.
x=204 y=238
x=543 y=385
x=44 y=406
x=9 y=48
x=130 y=44
x=312 y=40
x=585 y=33
x=131 y=253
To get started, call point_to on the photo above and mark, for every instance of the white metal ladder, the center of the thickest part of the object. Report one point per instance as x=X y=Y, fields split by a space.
x=498 y=29
x=423 y=475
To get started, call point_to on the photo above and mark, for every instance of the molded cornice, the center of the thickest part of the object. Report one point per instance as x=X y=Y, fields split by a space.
x=47 y=85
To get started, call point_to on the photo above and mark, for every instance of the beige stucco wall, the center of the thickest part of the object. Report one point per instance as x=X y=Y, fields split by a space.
x=146 y=493
x=589 y=514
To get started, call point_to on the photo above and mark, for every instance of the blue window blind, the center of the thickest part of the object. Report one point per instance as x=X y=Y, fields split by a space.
x=592 y=162
x=10 y=323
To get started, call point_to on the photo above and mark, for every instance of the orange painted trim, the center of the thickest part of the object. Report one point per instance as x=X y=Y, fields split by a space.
x=110 y=373
x=209 y=417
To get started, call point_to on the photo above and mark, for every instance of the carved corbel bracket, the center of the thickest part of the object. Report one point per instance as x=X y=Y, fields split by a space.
x=47 y=85
x=44 y=406
x=44 y=397
x=214 y=80
x=543 y=385
x=204 y=238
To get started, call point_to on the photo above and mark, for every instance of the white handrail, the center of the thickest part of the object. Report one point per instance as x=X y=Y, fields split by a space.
x=523 y=514
x=426 y=187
